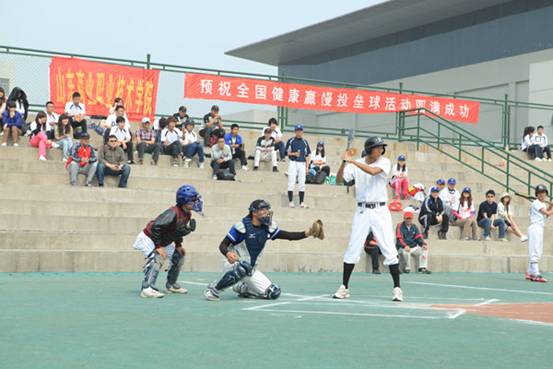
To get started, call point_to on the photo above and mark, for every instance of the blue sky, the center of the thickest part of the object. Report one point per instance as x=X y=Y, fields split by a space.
x=193 y=33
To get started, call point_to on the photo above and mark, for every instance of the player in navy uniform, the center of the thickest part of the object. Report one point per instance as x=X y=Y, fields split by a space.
x=162 y=238
x=243 y=247
x=298 y=152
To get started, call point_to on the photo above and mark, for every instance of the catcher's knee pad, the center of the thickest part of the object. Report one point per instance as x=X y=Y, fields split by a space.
x=239 y=271
x=272 y=292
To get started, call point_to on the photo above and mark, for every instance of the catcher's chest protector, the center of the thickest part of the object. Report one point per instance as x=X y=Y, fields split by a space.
x=255 y=239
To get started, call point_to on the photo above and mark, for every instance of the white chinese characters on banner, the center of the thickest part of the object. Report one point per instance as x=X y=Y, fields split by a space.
x=206 y=86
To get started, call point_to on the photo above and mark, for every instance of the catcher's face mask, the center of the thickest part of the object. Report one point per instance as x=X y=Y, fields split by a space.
x=197 y=205
x=264 y=215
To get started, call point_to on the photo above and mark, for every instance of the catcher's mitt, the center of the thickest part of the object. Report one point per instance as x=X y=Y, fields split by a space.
x=316 y=230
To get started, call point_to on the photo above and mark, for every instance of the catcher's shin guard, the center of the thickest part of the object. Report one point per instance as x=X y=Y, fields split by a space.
x=151 y=269
x=273 y=292
x=177 y=260
x=239 y=271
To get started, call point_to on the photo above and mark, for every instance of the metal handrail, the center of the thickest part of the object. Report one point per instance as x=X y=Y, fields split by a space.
x=463 y=136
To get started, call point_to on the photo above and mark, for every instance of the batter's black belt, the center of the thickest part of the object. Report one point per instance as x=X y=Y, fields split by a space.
x=370 y=205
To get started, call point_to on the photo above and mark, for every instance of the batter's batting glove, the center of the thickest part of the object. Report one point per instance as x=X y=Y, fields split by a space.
x=316 y=230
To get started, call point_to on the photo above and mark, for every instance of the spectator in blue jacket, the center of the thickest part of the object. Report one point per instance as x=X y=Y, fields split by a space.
x=409 y=242
x=13 y=123
x=236 y=144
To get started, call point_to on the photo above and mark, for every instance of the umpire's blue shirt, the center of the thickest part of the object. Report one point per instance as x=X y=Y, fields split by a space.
x=298 y=144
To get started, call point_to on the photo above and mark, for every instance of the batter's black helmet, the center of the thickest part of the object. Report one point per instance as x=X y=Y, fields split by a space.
x=374 y=141
x=541 y=188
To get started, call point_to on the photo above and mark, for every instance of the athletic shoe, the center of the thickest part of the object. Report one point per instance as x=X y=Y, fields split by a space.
x=187 y=163
x=538 y=159
x=341 y=293
x=376 y=271
x=275 y=169
x=503 y=239
x=211 y=294
x=245 y=168
x=4 y=144
x=523 y=238
x=176 y=288
x=16 y=145
x=407 y=271
x=302 y=205
x=291 y=205
x=549 y=159
x=151 y=292
x=42 y=158
x=255 y=168
x=527 y=276
x=538 y=278
x=398 y=294
x=55 y=145
x=424 y=271
x=201 y=166
x=487 y=238
x=215 y=177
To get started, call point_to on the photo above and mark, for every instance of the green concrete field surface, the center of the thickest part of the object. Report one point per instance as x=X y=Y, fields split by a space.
x=98 y=320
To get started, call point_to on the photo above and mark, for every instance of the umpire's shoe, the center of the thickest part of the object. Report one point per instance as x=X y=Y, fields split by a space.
x=341 y=293
x=151 y=292
x=398 y=294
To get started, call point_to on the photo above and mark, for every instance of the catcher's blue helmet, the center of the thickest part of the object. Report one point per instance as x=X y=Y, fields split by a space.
x=187 y=194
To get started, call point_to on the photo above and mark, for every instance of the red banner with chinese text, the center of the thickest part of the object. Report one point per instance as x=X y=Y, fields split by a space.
x=348 y=100
x=99 y=84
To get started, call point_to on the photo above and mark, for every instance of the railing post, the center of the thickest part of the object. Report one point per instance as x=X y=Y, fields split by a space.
x=507 y=166
x=418 y=130
x=506 y=122
x=401 y=125
x=529 y=182
x=460 y=143
x=439 y=125
x=482 y=159
x=148 y=60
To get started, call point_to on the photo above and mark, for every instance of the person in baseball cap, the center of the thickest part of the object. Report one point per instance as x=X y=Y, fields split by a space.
x=432 y=213
x=298 y=127
x=298 y=151
x=409 y=242
x=440 y=183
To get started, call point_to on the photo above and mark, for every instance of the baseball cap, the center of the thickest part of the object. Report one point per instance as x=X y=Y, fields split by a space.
x=434 y=189
x=408 y=214
x=467 y=189
x=145 y=120
x=84 y=135
x=451 y=181
x=401 y=158
x=440 y=181
x=298 y=127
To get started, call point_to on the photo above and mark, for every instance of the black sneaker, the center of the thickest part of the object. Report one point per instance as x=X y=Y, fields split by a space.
x=376 y=271
x=275 y=169
x=424 y=271
x=255 y=168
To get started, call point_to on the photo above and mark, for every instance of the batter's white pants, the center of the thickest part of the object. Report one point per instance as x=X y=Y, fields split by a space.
x=418 y=252
x=379 y=221
x=297 y=170
x=255 y=285
x=265 y=156
x=535 y=248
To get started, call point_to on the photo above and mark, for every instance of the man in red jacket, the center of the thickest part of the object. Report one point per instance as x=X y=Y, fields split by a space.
x=409 y=242
x=162 y=239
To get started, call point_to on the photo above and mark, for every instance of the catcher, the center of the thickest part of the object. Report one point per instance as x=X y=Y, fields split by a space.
x=243 y=246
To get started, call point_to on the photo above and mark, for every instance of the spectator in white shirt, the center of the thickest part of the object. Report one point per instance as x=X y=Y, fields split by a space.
x=450 y=198
x=64 y=136
x=51 y=120
x=76 y=111
x=506 y=212
x=111 y=121
x=529 y=144
x=318 y=162
x=171 y=141
x=400 y=179
x=465 y=216
x=191 y=145
x=541 y=139
x=19 y=96
x=280 y=146
x=37 y=136
x=265 y=150
x=124 y=138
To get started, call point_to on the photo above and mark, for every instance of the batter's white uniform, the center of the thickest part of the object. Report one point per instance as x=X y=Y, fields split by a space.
x=371 y=190
x=535 y=236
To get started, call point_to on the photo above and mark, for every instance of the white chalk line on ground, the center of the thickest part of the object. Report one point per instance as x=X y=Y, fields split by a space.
x=487 y=302
x=481 y=288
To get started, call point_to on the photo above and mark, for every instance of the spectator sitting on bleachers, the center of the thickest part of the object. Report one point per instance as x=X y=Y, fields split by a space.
x=13 y=124
x=76 y=112
x=280 y=146
x=213 y=127
x=21 y=103
x=111 y=122
x=51 y=120
x=541 y=139
x=487 y=217
x=116 y=102
x=400 y=179
x=450 y=198
x=191 y=145
x=170 y=141
x=181 y=117
x=505 y=211
x=124 y=138
x=409 y=242
x=440 y=183
x=465 y=216
x=83 y=160
x=112 y=162
x=37 y=136
x=146 y=142
x=418 y=195
x=265 y=150
x=221 y=158
x=2 y=109
x=64 y=136
x=534 y=151
x=318 y=170
x=432 y=213
x=236 y=144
